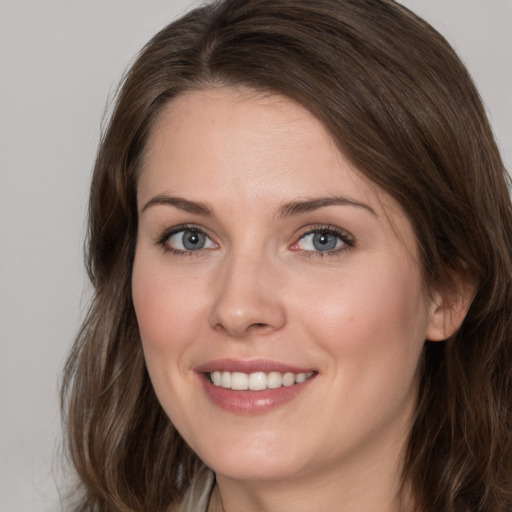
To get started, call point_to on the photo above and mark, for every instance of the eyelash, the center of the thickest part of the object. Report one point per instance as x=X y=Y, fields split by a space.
x=163 y=239
x=346 y=238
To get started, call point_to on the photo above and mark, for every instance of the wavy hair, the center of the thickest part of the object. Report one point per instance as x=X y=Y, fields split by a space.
x=401 y=106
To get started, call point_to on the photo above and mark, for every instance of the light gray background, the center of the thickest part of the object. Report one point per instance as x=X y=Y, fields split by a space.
x=59 y=62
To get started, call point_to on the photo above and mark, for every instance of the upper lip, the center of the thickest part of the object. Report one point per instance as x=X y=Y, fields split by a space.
x=249 y=366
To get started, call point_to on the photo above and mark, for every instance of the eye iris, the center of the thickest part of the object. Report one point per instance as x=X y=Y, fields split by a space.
x=192 y=240
x=324 y=241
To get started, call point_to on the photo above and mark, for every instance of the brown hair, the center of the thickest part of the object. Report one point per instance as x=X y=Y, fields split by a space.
x=403 y=108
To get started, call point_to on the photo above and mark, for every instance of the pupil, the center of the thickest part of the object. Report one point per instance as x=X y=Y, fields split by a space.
x=193 y=240
x=324 y=241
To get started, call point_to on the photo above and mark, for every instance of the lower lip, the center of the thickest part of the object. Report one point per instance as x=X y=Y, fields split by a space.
x=250 y=403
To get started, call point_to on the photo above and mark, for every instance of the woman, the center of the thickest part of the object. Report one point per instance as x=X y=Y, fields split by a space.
x=299 y=240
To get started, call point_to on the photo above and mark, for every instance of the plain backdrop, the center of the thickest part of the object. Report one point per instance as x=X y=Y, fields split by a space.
x=60 y=62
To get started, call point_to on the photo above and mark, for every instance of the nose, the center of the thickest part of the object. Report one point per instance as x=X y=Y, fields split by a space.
x=247 y=298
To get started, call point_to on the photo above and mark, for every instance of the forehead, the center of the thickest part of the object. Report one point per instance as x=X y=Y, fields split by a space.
x=212 y=133
x=224 y=120
x=243 y=147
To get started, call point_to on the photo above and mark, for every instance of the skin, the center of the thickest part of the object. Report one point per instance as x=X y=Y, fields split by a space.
x=357 y=315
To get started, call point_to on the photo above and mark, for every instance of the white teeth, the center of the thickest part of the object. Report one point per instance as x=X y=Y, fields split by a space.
x=239 y=381
x=257 y=381
x=226 y=380
x=274 y=380
x=216 y=378
x=301 y=377
x=288 y=379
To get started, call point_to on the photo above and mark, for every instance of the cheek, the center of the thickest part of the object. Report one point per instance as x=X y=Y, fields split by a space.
x=164 y=308
x=167 y=319
x=373 y=318
x=373 y=329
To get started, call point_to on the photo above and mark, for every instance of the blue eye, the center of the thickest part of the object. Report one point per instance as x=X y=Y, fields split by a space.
x=186 y=240
x=324 y=240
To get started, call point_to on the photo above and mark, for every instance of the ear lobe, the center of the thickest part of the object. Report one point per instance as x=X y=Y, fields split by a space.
x=448 y=311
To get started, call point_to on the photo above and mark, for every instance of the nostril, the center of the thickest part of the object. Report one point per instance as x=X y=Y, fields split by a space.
x=258 y=326
x=240 y=331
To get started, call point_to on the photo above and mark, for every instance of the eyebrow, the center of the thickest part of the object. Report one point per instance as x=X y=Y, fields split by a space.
x=299 y=207
x=289 y=209
x=180 y=203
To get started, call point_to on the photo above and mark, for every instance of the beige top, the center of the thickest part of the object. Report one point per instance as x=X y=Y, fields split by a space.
x=197 y=498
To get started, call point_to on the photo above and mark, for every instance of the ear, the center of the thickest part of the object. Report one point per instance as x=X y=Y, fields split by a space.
x=448 y=309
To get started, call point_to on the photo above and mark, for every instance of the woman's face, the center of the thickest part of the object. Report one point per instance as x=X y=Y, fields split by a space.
x=264 y=259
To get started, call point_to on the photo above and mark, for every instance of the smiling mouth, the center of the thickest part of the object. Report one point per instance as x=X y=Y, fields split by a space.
x=257 y=381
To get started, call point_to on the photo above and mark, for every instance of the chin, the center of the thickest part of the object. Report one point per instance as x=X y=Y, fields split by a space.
x=260 y=460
